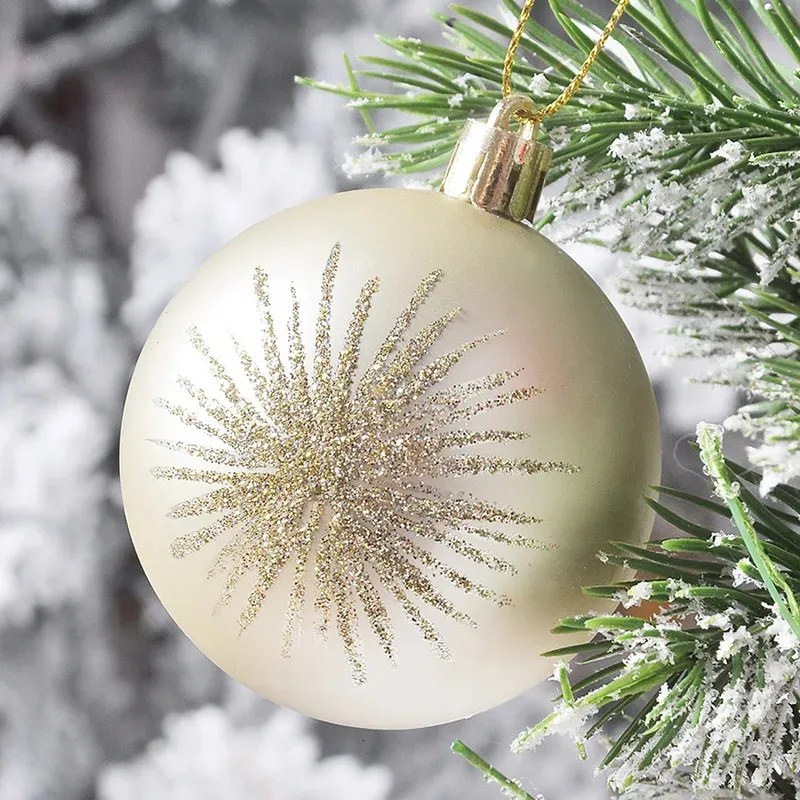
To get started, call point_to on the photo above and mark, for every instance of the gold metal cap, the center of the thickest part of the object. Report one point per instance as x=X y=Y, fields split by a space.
x=497 y=169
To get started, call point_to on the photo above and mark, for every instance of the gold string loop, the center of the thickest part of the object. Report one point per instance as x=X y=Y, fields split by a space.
x=573 y=86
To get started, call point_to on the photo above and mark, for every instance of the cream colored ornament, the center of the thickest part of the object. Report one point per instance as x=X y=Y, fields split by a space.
x=371 y=451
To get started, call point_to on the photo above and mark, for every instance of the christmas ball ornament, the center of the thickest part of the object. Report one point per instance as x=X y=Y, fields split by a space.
x=371 y=451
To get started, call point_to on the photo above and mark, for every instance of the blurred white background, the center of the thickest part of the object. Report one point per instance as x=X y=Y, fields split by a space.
x=136 y=137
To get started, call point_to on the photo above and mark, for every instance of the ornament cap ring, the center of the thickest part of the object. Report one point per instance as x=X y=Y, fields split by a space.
x=516 y=106
x=498 y=169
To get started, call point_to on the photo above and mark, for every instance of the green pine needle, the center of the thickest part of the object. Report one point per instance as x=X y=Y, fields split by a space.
x=510 y=788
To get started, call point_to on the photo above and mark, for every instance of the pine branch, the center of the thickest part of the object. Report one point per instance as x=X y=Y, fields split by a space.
x=710 y=440
x=714 y=673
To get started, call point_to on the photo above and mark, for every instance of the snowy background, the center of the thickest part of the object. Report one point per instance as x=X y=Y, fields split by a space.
x=136 y=137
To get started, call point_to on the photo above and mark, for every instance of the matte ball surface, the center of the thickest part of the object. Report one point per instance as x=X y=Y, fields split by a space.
x=371 y=451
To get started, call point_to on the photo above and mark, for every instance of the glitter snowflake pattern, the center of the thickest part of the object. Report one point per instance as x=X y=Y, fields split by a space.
x=334 y=475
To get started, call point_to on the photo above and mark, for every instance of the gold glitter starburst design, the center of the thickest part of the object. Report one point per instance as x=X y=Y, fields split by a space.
x=336 y=476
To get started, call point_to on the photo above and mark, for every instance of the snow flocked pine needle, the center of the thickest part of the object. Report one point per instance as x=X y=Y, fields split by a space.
x=708 y=686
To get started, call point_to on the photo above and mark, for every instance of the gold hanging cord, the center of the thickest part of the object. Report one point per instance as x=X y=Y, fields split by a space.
x=574 y=84
x=503 y=171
